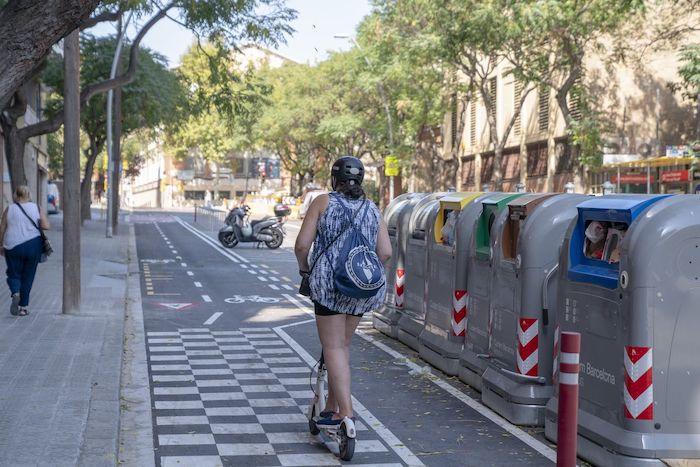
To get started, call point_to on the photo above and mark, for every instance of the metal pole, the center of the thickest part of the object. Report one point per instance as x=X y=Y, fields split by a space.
x=648 y=179
x=618 y=180
x=110 y=143
x=567 y=404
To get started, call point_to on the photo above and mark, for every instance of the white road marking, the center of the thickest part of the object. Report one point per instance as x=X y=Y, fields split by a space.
x=273 y=286
x=207 y=240
x=197 y=284
x=535 y=444
x=244 y=266
x=264 y=266
x=288 y=287
x=190 y=273
x=262 y=278
x=394 y=443
x=213 y=318
x=184 y=265
x=274 y=279
x=206 y=298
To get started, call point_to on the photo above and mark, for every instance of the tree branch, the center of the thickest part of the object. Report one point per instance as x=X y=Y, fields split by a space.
x=53 y=124
x=107 y=16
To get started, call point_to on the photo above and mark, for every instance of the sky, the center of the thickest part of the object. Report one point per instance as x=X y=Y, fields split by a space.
x=316 y=24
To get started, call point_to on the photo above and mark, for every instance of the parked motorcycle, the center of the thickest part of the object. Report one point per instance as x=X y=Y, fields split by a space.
x=239 y=228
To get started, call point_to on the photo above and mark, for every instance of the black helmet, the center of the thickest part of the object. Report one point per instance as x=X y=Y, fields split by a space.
x=347 y=168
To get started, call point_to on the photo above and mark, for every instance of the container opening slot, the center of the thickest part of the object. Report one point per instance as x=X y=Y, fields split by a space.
x=603 y=240
x=448 y=229
x=419 y=233
x=511 y=232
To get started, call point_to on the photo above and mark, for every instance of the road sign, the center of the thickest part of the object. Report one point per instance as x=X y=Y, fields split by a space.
x=391 y=166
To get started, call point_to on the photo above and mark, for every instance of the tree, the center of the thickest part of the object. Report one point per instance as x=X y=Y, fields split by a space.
x=148 y=102
x=689 y=72
x=401 y=51
x=291 y=119
x=228 y=21
x=223 y=103
x=28 y=30
x=558 y=35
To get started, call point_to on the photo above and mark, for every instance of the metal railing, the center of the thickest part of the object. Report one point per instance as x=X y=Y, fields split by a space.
x=209 y=218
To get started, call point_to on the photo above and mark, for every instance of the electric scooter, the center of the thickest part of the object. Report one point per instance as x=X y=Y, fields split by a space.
x=344 y=433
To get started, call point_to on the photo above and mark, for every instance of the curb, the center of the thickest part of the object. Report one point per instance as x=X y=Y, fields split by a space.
x=136 y=423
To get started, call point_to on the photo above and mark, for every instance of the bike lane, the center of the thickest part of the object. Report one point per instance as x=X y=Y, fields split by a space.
x=233 y=391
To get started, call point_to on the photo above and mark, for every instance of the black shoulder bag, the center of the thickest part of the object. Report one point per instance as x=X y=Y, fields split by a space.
x=305 y=286
x=46 y=248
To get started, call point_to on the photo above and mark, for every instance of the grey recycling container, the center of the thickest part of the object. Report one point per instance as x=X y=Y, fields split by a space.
x=441 y=341
x=412 y=317
x=396 y=216
x=473 y=359
x=517 y=382
x=635 y=299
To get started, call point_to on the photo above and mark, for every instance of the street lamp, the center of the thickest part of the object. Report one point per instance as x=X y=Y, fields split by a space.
x=382 y=95
x=110 y=142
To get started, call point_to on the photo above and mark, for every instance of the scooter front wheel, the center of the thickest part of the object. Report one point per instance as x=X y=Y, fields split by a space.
x=228 y=239
x=277 y=239
x=346 y=445
x=313 y=428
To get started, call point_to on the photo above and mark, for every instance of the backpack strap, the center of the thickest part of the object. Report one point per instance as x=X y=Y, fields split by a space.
x=324 y=250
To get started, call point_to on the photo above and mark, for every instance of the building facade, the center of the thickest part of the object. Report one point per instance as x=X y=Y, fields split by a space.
x=644 y=116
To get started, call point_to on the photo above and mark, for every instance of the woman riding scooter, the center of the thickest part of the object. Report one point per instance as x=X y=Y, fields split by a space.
x=337 y=316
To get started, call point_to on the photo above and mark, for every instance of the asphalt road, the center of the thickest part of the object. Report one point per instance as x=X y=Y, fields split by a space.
x=231 y=346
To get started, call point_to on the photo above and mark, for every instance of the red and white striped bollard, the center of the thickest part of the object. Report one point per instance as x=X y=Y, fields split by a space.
x=567 y=423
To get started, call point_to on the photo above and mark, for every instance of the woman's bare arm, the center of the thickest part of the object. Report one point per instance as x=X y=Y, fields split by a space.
x=3 y=228
x=383 y=243
x=44 y=220
x=307 y=234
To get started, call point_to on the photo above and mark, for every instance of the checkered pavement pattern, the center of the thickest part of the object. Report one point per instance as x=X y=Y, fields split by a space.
x=239 y=398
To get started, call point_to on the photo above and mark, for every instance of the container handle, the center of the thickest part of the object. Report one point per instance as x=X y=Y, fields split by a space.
x=545 y=300
x=524 y=378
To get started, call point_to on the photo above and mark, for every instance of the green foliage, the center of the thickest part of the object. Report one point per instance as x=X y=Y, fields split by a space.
x=148 y=102
x=223 y=102
x=689 y=70
x=55 y=152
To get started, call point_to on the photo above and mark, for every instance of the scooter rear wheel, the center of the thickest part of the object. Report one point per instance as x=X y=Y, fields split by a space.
x=313 y=429
x=228 y=239
x=346 y=446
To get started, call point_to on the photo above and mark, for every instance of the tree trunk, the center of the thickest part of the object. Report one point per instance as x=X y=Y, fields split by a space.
x=14 y=146
x=71 y=174
x=116 y=157
x=497 y=175
x=14 y=151
x=86 y=184
x=28 y=30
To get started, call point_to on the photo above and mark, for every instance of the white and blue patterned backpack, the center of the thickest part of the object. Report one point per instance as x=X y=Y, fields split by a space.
x=357 y=273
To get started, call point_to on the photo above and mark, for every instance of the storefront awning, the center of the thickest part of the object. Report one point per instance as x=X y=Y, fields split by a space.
x=663 y=161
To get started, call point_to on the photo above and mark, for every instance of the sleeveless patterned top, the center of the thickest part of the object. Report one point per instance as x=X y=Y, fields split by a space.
x=333 y=221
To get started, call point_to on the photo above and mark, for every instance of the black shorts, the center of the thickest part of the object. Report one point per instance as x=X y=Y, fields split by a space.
x=321 y=310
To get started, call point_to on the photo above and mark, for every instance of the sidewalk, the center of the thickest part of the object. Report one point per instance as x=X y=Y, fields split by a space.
x=60 y=374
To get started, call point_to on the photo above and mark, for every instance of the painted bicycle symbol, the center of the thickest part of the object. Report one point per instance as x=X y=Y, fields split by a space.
x=251 y=298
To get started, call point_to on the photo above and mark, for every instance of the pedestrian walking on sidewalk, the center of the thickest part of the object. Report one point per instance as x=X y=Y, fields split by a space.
x=326 y=226
x=22 y=246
